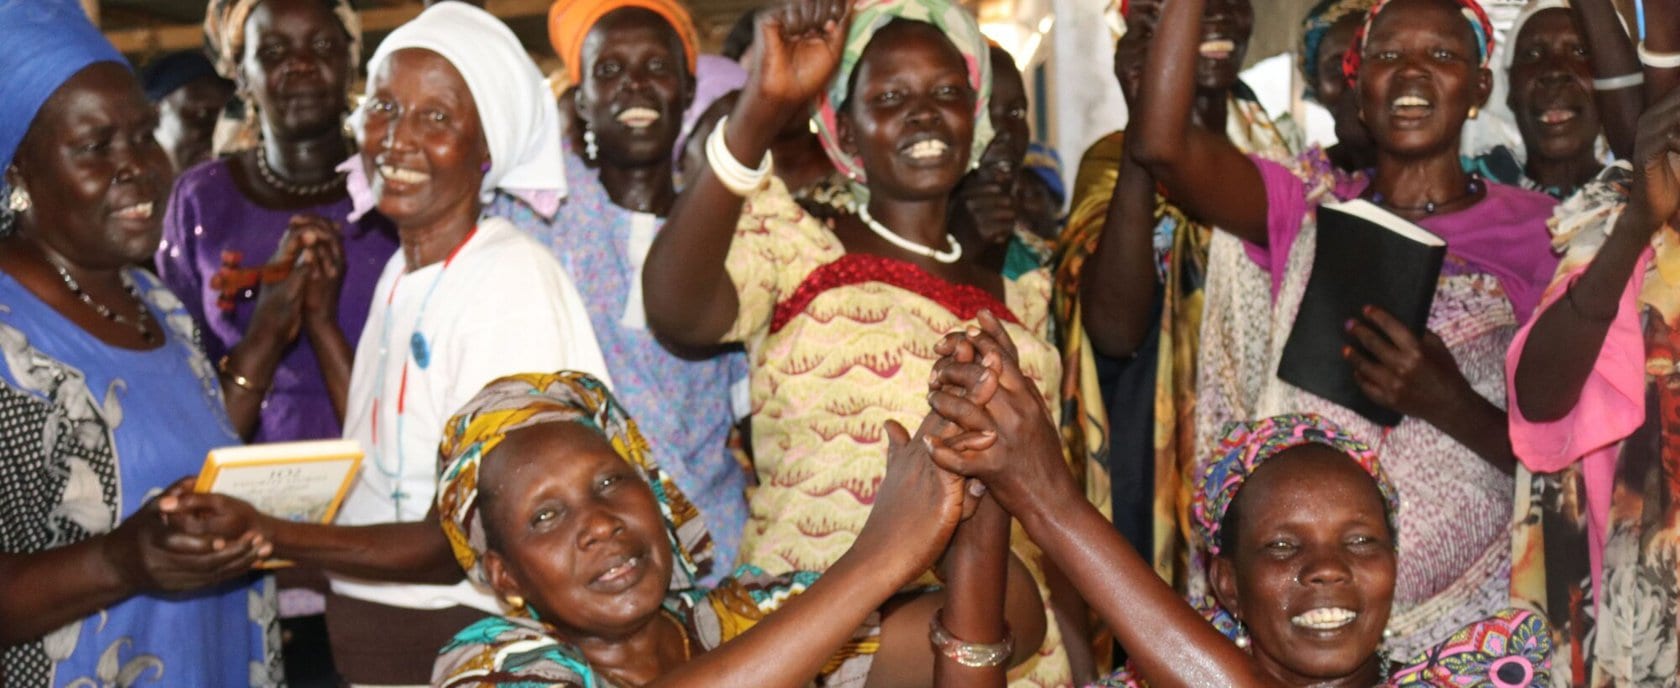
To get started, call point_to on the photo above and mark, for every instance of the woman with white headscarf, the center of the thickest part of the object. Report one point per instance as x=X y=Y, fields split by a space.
x=1567 y=92
x=454 y=111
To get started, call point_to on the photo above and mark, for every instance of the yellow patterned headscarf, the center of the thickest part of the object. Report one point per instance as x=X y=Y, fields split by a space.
x=521 y=401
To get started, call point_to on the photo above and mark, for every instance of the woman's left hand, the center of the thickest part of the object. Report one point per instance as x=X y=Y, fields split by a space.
x=917 y=504
x=1416 y=377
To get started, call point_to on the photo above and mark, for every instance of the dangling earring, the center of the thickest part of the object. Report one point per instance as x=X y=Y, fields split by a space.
x=18 y=200
x=514 y=602
x=1241 y=640
x=589 y=148
x=1474 y=111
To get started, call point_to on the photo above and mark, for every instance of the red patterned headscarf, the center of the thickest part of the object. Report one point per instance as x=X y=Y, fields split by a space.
x=1480 y=25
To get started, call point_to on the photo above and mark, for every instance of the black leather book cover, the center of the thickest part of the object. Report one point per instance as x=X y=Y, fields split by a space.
x=1365 y=255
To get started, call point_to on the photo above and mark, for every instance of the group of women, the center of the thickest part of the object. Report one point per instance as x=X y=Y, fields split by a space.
x=544 y=345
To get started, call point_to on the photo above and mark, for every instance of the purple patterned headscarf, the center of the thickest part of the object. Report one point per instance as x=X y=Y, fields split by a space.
x=1247 y=445
x=1244 y=448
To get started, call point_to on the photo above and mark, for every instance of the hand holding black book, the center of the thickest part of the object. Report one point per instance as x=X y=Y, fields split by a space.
x=1365 y=256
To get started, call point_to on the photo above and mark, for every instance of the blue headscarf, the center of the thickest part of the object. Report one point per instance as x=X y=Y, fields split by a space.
x=46 y=43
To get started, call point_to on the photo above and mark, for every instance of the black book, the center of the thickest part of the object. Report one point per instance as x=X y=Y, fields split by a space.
x=1365 y=256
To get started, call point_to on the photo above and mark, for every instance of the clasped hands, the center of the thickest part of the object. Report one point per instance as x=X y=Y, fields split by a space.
x=311 y=256
x=183 y=540
x=989 y=436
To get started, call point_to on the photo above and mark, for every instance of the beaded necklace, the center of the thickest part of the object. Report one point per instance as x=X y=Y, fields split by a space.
x=138 y=323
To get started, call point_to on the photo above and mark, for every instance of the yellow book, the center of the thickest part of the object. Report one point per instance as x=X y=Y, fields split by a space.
x=296 y=481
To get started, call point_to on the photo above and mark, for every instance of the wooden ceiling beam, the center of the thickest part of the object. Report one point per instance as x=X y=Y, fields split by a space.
x=180 y=36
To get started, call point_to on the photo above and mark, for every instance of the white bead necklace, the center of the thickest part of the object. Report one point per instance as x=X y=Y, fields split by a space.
x=950 y=255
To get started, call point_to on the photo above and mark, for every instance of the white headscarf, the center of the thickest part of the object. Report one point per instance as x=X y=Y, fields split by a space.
x=1498 y=126
x=1528 y=11
x=516 y=109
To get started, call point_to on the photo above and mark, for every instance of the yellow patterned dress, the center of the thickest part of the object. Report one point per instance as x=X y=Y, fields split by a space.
x=840 y=343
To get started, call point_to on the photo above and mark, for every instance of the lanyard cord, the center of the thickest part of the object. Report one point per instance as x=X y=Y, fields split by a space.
x=417 y=349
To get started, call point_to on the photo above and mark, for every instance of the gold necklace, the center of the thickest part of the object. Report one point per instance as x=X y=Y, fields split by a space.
x=618 y=679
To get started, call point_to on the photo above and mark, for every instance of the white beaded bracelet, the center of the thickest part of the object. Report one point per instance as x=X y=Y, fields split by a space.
x=1617 y=83
x=735 y=176
x=1658 y=60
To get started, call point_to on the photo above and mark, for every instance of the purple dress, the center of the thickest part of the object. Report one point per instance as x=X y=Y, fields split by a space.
x=209 y=215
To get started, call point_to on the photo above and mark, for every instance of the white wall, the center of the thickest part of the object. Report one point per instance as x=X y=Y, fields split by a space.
x=1085 y=101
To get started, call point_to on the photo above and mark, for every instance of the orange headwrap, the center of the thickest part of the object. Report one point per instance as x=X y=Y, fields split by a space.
x=569 y=21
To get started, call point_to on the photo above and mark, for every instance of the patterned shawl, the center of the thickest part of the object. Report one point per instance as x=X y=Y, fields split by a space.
x=528 y=399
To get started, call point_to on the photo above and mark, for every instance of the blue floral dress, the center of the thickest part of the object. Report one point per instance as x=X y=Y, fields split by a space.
x=88 y=433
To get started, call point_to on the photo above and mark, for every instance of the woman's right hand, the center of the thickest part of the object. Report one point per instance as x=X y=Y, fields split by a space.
x=797 y=51
x=1656 y=161
x=154 y=550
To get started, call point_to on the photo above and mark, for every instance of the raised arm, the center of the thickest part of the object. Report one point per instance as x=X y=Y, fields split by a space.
x=1204 y=174
x=1612 y=56
x=916 y=510
x=1554 y=365
x=1012 y=446
x=689 y=297
x=1662 y=36
x=1117 y=287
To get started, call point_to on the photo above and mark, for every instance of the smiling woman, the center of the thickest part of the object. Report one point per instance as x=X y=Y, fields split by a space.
x=551 y=495
x=633 y=63
x=454 y=110
x=284 y=346
x=837 y=314
x=106 y=405
x=1566 y=121
x=1299 y=524
x=1417 y=69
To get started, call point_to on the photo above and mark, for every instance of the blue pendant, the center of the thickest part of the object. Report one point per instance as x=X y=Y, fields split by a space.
x=422 y=351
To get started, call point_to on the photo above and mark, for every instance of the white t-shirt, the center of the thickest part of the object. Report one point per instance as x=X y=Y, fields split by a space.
x=500 y=305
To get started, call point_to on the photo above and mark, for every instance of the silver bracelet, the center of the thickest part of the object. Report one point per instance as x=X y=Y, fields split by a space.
x=738 y=178
x=1658 y=60
x=1617 y=83
x=972 y=655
